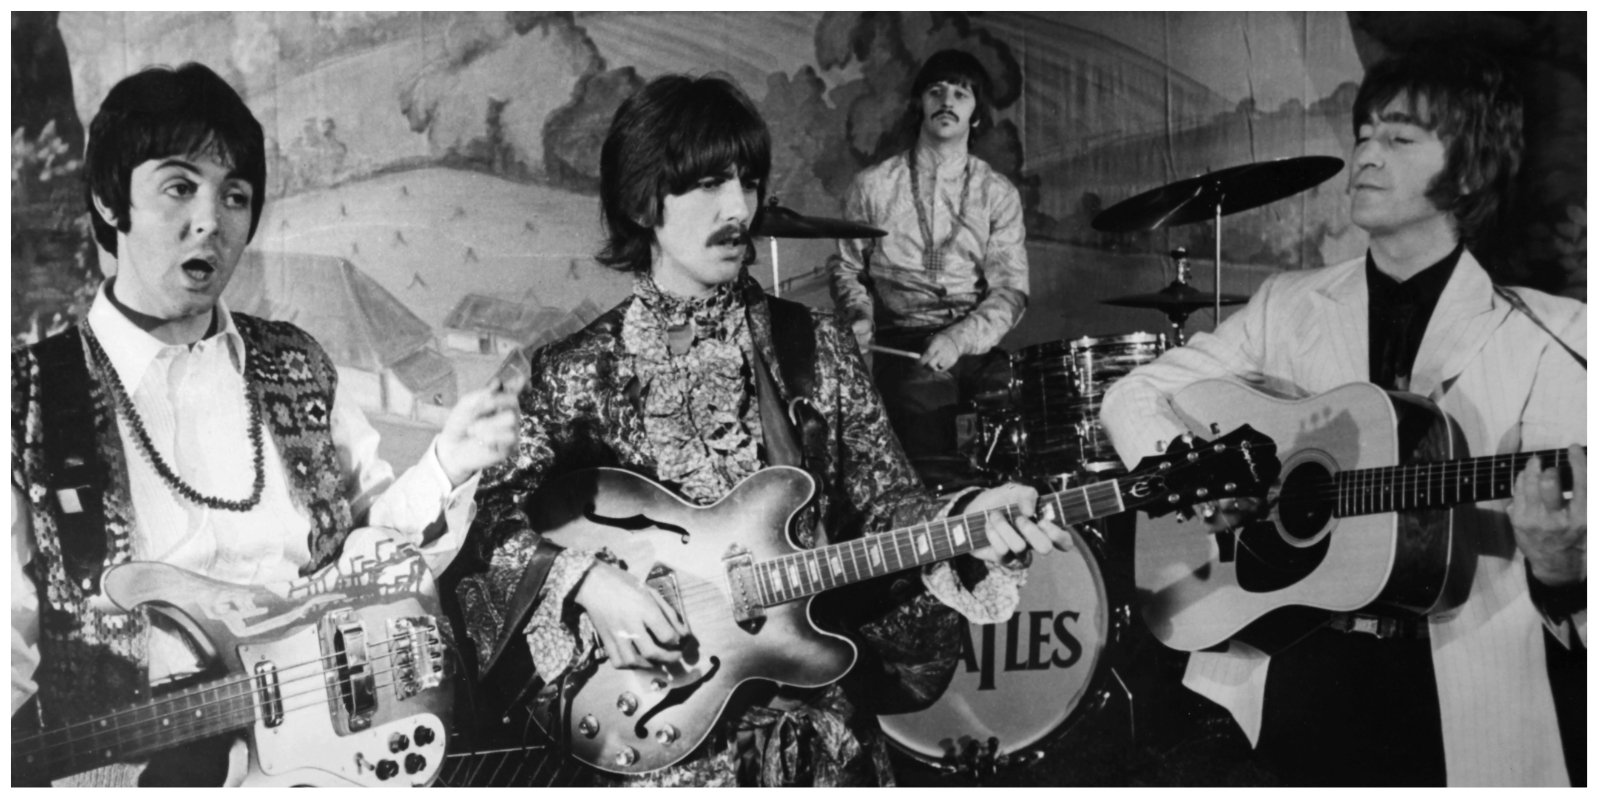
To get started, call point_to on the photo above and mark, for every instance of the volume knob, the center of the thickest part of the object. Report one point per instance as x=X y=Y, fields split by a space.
x=666 y=734
x=627 y=703
x=626 y=757
x=588 y=726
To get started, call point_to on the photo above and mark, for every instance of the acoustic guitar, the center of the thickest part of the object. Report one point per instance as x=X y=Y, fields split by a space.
x=1365 y=517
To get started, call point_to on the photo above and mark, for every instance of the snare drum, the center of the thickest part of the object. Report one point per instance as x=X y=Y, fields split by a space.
x=1058 y=388
x=1029 y=678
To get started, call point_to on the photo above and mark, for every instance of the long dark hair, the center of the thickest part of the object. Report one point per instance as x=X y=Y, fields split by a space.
x=664 y=138
x=1466 y=99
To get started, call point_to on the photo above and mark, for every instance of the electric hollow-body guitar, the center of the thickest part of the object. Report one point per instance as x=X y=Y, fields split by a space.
x=1367 y=516
x=744 y=589
x=335 y=680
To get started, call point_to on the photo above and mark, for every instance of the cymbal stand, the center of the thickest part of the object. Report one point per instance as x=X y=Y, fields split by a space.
x=1216 y=281
x=1179 y=316
x=772 y=241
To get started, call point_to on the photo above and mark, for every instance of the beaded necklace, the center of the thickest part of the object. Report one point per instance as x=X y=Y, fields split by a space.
x=933 y=256
x=125 y=407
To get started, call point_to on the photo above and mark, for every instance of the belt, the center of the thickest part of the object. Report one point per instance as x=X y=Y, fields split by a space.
x=1378 y=626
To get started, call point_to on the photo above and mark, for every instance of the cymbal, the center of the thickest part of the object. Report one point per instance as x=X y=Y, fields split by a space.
x=781 y=223
x=1176 y=298
x=1234 y=189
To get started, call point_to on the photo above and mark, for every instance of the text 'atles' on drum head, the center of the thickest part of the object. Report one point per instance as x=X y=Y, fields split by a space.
x=1021 y=680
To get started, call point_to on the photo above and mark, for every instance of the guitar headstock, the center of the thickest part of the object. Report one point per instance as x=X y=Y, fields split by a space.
x=1241 y=463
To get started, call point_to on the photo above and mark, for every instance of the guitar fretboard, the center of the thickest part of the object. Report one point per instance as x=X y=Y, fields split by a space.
x=131 y=734
x=803 y=574
x=1446 y=483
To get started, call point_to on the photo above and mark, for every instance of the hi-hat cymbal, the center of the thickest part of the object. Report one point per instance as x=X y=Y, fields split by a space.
x=1234 y=189
x=781 y=223
x=1176 y=298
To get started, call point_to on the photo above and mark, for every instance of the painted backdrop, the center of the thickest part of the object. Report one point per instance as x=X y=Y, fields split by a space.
x=432 y=201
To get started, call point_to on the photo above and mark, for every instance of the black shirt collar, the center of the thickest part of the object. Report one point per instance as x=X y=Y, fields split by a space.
x=1423 y=287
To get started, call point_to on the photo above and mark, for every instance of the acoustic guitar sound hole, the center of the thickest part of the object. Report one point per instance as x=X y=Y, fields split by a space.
x=1306 y=503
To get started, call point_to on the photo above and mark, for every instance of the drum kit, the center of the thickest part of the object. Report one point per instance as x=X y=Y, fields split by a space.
x=1036 y=418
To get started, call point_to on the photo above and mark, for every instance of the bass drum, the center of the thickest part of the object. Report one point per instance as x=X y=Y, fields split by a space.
x=1029 y=679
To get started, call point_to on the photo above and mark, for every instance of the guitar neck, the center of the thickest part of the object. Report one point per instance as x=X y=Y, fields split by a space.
x=1444 y=483
x=134 y=733
x=803 y=574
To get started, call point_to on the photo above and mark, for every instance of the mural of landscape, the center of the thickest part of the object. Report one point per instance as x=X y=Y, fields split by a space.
x=432 y=201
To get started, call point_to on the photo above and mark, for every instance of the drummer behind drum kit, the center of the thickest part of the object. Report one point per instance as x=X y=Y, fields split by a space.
x=1038 y=421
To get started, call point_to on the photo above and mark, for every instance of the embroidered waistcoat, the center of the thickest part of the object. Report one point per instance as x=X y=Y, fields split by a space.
x=91 y=660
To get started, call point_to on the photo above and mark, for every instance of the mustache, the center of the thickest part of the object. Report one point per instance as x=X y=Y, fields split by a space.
x=729 y=234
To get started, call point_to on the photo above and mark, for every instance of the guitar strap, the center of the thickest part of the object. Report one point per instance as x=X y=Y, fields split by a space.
x=77 y=474
x=1517 y=303
x=794 y=343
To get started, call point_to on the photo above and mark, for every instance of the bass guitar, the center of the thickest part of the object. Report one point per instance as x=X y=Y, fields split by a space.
x=335 y=680
x=1363 y=517
x=745 y=590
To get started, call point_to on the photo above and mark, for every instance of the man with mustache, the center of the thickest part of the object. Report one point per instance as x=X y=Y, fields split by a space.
x=686 y=382
x=1493 y=693
x=165 y=427
x=951 y=277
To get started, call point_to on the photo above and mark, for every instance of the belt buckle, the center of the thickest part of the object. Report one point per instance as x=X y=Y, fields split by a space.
x=1368 y=625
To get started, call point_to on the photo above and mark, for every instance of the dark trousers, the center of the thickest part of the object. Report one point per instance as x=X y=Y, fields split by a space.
x=1349 y=709
x=922 y=403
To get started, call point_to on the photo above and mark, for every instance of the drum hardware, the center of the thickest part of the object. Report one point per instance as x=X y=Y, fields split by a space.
x=1210 y=196
x=1179 y=299
x=1022 y=684
x=776 y=222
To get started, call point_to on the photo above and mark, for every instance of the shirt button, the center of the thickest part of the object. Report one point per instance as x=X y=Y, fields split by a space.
x=88 y=584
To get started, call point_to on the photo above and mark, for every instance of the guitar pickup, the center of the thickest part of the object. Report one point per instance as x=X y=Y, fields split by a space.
x=663 y=581
x=743 y=589
x=266 y=675
x=352 y=682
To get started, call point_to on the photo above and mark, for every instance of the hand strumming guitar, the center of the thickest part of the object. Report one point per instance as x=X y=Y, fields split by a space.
x=637 y=627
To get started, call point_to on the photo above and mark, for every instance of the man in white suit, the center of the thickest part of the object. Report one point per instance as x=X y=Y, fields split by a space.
x=1494 y=693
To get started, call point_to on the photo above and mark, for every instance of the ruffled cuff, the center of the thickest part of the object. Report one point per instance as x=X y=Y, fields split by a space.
x=556 y=645
x=989 y=596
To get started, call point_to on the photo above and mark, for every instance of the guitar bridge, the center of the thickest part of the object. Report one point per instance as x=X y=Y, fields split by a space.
x=418 y=655
x=743 y=590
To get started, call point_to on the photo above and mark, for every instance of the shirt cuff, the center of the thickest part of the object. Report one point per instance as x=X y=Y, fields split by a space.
x=993 y=597
x=989 y=601
x=557 y=647
x=1559 y=605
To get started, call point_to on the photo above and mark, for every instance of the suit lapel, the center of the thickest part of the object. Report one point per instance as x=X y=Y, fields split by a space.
x=1340 y=329
x=1467 y=314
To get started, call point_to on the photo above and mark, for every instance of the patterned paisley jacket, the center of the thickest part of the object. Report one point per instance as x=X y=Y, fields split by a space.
x=582 y=408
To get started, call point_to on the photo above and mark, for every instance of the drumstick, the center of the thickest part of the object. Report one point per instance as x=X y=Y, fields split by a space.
x=878 y=348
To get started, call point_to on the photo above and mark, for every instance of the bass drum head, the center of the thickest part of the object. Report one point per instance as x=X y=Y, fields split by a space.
x=1028 y=678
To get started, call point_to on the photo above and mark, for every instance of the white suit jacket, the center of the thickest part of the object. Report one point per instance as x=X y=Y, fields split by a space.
x=1509 y=386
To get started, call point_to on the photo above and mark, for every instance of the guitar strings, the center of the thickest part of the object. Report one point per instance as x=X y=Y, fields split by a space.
x=99 y=728
x=187 y=723
x=241 y=715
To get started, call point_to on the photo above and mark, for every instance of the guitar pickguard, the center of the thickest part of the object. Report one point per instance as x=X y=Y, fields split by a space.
x=338 y=679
